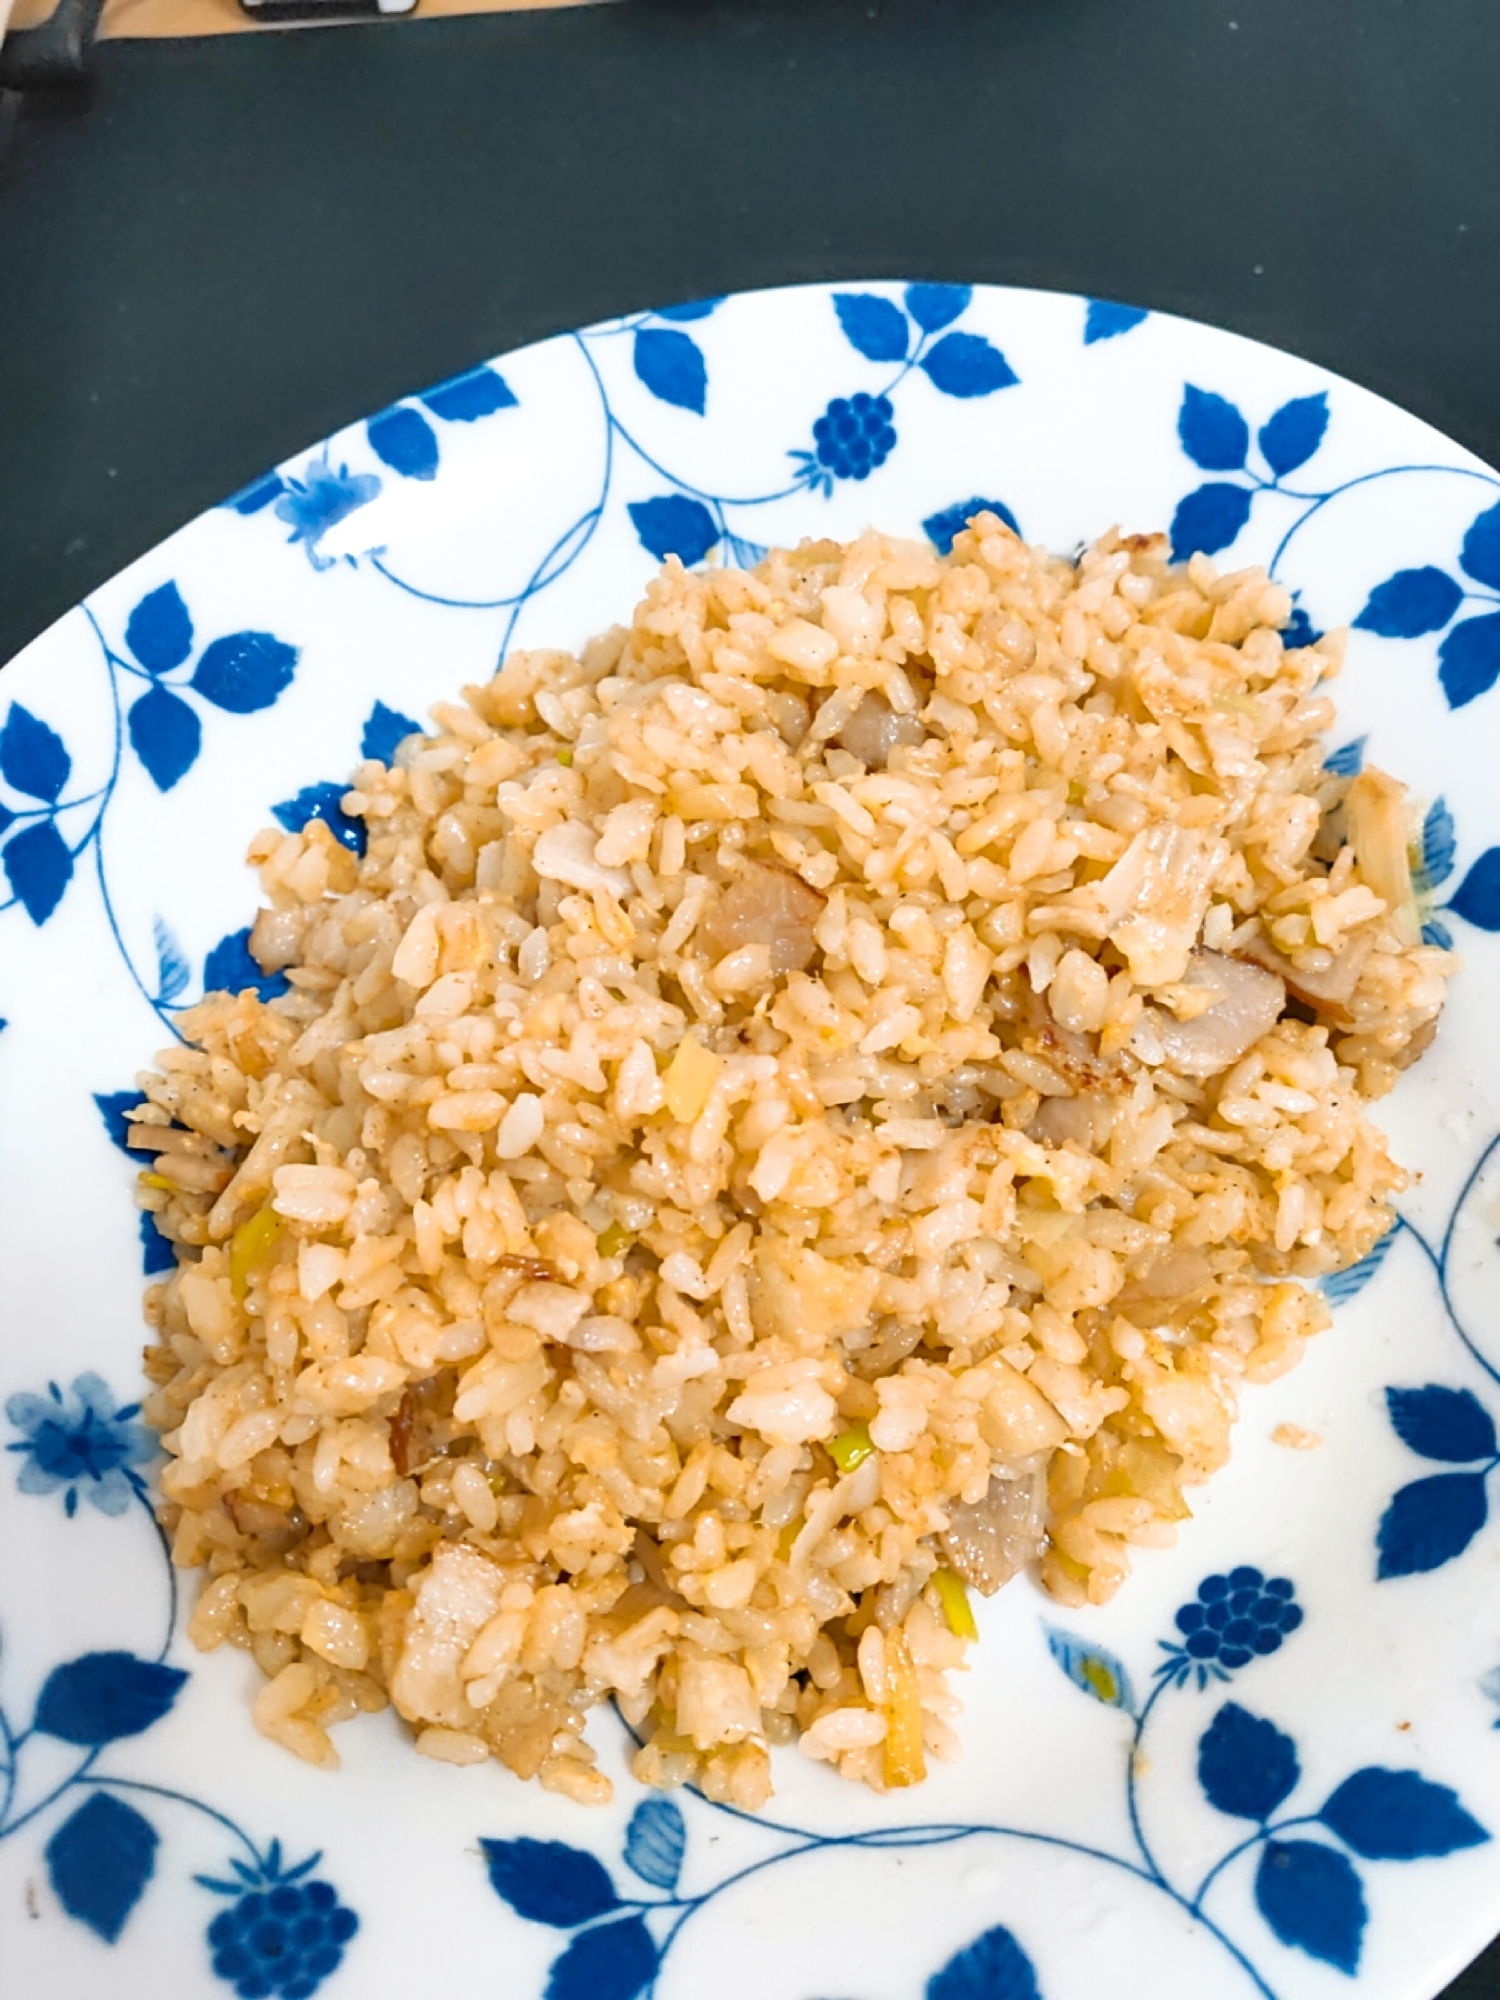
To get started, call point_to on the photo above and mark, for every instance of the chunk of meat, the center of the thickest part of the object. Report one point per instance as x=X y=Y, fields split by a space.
x=1250 y=1004
x=875 y=729
x=995 y=1538
x=1327 y=989
x=765 y=905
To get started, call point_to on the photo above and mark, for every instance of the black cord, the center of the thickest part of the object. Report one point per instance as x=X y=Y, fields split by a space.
x=52 y=55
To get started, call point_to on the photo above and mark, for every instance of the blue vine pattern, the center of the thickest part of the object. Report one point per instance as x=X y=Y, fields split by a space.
x=281 y=1931
x=1308 y=1891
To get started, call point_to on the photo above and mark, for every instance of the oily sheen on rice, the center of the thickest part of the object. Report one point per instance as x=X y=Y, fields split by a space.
x=823 y=1098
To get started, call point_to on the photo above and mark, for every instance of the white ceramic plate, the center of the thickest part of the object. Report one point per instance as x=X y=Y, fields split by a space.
x=1269 y=1767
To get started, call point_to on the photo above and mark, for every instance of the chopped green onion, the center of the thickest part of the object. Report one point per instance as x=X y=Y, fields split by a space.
x=614 y=1240
x=852 y=1447
x=251 y=1246
x=954 y=1599
x=565 y=758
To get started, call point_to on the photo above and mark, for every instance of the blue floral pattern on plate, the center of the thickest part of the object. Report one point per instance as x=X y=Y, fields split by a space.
x=283 y=1933
x=1275 y=1836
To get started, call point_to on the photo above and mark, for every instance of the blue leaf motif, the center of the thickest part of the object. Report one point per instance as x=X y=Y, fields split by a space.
x=1349 y=759
x=1399 y=1816
x=403 y=439
x=1477 y=897
x=690 y=309
x=1214 y=434
x=1091 y=1668
x=1246 y=1766
x=1299 y=630
x=1107 y=321
x=467 y=398
x=1469 y=659
x=1339 y=1287
x=38 y=867
x=1437 y=934
x=1450 y=1425
x=940 y=528
x=674 y=525
x=229 y=968
x=32 y=756
x=112 y=1106
x=324 y=802
x=384 y=731
x=1411 y=602
x=1430 y=1522
x=1438 y=844
x=1481 y=550
x=1291 y=436
x=548 y=1882
x=258 y=494
x=171 y=965
x=672 y=367
x=1209 y=519
x=993 y=1967
x=936 y=306
x=655 y=1841
x=245 y=672
x=101 y=1697
x=611 y=1962
x=159 y=631
x=964 y=364
x=874 y=326
x=157 y=1254
x=99 y=1862
x=1312 y=1899
x=165 y=734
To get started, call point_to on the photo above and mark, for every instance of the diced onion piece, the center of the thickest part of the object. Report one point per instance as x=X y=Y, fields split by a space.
x=1379 y=822
x=689 y=1077
x=905 y=1763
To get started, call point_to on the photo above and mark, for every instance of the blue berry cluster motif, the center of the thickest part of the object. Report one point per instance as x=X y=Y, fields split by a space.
x=854 y=435
x=1234 y=1619
x=282 y=1932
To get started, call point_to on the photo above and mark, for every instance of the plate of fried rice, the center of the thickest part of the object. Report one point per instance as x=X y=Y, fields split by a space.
x=749 y=1185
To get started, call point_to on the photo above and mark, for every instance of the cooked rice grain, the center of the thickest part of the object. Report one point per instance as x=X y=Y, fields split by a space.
x=827 y=1093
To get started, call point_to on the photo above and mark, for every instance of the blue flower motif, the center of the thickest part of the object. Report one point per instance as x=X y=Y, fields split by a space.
x=82 y=1443
x=312 y=505
x=282 y=1935
x=1231 y=1620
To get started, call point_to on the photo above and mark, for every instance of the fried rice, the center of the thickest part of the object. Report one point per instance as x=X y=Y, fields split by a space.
x=814 y=1104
